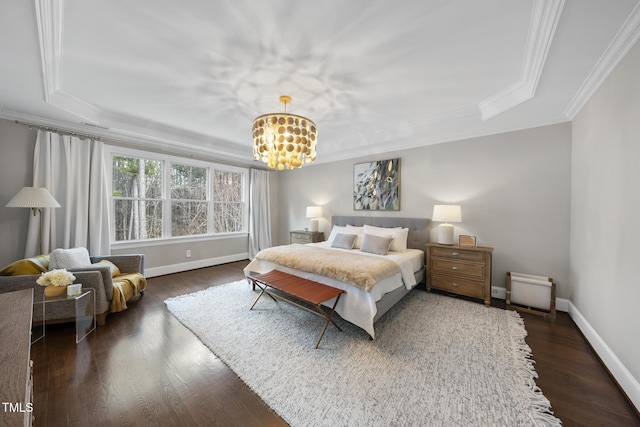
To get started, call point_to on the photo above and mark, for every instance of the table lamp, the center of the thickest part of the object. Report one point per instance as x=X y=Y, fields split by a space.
x=446 y=214
x=314 y=212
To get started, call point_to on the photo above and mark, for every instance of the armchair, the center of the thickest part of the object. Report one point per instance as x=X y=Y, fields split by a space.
x=113 y=287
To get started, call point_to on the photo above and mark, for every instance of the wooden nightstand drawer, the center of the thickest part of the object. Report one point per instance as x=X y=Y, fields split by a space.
x=457 y=285
x=459 y=268
x=301 y=238
x=304 y=237
x=458 y=254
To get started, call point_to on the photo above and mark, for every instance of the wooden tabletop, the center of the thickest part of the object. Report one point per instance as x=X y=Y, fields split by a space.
x=16 y=310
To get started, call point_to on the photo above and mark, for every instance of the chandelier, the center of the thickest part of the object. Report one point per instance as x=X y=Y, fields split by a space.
x=284 y=141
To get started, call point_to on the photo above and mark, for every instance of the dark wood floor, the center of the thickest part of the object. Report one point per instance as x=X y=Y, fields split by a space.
x=145 y=368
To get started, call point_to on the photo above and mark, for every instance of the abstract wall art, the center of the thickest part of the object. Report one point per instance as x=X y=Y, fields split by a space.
x=376 y=186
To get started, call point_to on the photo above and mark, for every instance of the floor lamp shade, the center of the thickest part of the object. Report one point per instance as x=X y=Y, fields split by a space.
x=314 y=212
x=34 y=198
x=446 y=214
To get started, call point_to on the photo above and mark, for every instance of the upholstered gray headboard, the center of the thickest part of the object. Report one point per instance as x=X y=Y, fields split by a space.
x=418 y=227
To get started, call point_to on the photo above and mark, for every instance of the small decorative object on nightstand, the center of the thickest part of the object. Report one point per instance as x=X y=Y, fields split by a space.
x=460 y=270
x=305 y=236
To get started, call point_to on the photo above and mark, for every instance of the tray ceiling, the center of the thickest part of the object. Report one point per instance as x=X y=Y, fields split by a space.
x=376 y=76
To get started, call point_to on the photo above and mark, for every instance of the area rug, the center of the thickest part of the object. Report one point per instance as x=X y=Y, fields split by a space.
x=436 y=361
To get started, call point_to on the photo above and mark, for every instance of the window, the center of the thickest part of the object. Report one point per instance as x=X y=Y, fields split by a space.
x=228 y=204
x=137 y=198
x=159 y=197
x=189 y=204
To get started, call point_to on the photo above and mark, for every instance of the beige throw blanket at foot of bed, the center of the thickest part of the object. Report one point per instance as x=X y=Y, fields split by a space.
x=360 y=270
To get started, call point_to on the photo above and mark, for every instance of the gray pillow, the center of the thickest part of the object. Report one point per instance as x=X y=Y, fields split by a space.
x=344 y=241
x=378 y=245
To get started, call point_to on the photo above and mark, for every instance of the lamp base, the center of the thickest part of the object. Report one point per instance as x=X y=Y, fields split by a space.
x=445 y=234
x=314 y=225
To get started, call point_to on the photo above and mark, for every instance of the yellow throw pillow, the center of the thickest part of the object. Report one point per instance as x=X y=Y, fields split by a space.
x=23 y=267
x=115 y=271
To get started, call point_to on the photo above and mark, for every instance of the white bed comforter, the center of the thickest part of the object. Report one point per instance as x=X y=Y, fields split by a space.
x=356 y=305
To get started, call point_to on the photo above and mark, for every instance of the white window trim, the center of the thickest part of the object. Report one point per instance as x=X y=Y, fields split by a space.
x=167 y=159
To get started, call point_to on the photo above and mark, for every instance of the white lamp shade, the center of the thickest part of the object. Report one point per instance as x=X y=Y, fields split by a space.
x=446 y=213
x=314 y=211
x=33 y=197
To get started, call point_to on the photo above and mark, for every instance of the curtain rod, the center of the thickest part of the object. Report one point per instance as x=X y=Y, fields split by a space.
x=60 y=131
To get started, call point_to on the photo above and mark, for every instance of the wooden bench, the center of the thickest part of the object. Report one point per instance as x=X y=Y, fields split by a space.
x=305 y=290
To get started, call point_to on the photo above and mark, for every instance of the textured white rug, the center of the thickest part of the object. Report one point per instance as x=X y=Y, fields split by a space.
x=436 y=361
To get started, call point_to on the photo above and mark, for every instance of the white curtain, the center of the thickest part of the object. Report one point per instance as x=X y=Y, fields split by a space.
x=259 y=212
x=73 y=170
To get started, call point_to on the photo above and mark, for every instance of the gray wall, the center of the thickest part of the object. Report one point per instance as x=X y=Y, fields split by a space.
x=514 y=189
x=16 y=171
x=605 y=207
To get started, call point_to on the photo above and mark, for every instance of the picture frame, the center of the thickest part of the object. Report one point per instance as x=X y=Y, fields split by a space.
x=466 y=240
x=376 y=185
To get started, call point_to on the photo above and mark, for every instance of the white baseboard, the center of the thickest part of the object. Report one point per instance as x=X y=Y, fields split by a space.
x=622 y=375
x=627 y=382
x=192 y=265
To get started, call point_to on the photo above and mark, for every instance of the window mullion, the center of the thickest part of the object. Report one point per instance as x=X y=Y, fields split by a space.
x=210 y=206
x=167 y=200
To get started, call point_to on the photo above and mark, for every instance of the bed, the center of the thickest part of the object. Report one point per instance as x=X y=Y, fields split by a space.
x=363 y=303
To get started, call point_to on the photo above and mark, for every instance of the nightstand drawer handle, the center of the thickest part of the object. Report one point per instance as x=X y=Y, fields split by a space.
x=455 y=253
x=455 y=267
x=455 y=284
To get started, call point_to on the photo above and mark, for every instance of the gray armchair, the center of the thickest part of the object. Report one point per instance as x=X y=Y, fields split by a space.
x=95 y=276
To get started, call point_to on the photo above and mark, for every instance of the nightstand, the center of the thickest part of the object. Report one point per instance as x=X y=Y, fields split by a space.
x=304 y=236
x=462 y=270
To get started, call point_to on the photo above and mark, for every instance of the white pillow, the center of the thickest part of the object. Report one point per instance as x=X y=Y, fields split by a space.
x=334 y=232
x=69 y=258
x=399 y=243
x=359 y=231
x=399 y=234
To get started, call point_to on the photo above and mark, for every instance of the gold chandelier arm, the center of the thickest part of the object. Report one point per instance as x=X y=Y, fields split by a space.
x=285 y=99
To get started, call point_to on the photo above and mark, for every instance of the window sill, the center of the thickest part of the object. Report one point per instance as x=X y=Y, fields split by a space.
x=131 y=244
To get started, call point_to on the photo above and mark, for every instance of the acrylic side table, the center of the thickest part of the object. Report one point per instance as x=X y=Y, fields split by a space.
x=85 y=312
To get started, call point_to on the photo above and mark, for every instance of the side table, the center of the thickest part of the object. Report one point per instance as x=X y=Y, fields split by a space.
x=461 y=270
x=85 y=311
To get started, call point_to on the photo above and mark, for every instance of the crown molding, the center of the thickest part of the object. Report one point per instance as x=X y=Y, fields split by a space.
x=409 y=140
x=50 y=23
x=544 y=20
x=625 y=39
x=124 y=123
x=86 y=111
x=165 y=144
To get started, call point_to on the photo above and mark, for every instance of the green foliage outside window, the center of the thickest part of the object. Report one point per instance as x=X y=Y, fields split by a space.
x=201 y=200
